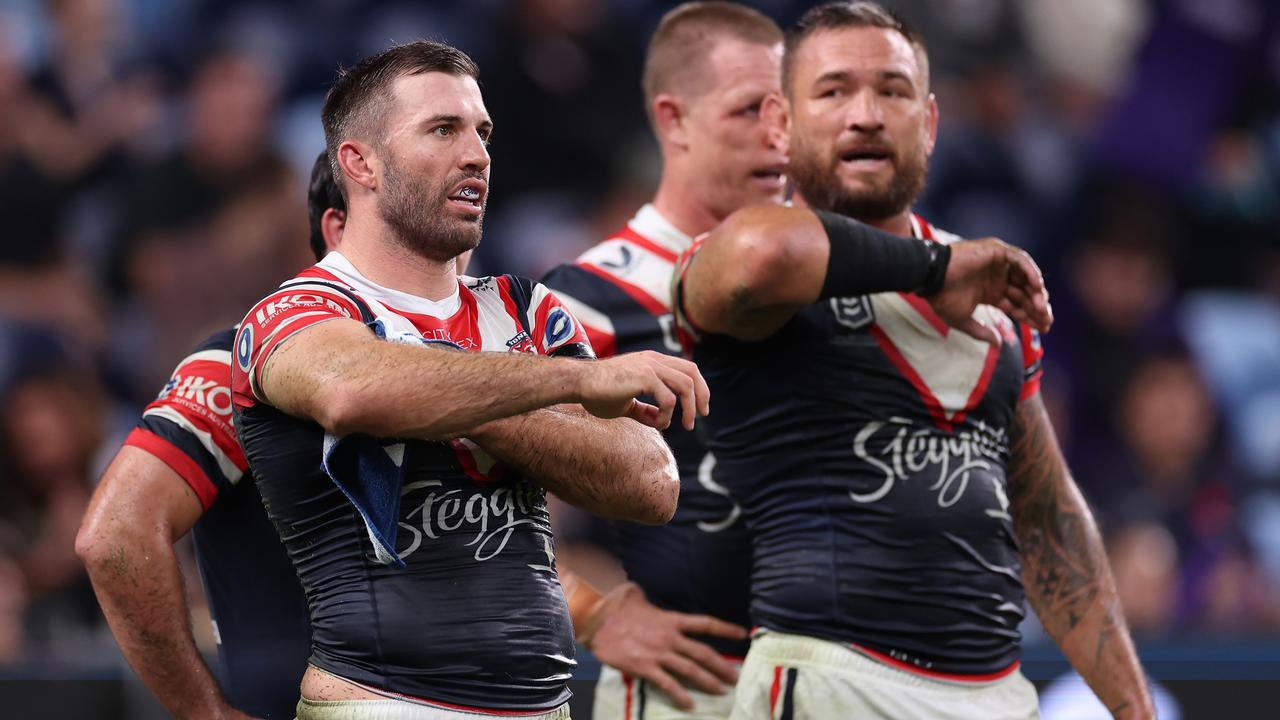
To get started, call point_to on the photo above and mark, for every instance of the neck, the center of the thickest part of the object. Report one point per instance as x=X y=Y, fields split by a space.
x=677 y=200
x=899 y=224
x=367 y=242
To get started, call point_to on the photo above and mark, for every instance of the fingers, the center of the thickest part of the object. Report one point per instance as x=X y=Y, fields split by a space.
x=693 y=673
x=669 y=685
x=971 y=326
x=683 y=387
x=644 y=413
x=708 y=659
x=713 y=626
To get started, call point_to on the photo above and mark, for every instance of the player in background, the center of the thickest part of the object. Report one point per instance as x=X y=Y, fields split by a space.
x=902 y=484
x=180 y=470
x=455 y=609
x=682 y=615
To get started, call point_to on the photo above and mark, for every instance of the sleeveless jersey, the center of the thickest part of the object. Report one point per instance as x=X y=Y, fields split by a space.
x=700 y=561
x=259 y=614
x=867 y=442
x=476 y=619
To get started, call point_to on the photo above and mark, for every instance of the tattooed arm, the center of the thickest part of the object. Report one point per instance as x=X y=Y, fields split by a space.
x=1065 y=569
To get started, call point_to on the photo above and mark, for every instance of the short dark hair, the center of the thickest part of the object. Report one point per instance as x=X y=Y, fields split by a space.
x=678 y=49
x=322 y=194
x=361 y=94
x=846 y=14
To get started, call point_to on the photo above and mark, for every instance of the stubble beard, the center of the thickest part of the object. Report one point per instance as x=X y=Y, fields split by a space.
x=421 y=221
x=814 y=173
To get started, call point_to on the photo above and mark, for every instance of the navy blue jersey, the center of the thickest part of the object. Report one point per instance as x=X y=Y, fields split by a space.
x=700 y=561
x=476 y=618
x=867 y=442
x=259 y=613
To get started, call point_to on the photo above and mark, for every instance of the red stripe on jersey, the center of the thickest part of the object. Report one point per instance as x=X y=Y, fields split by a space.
x=284 y=312
x=647 y=301
x=926 y=230
x=923 y=307
x=630 y=235
x=604 y=343
x=628 y=681
x=315 y=271
x=952 y=677
x=895 y=356
x=1032 y=353
x=177 y=460
x=775 y=690
x=979 y=390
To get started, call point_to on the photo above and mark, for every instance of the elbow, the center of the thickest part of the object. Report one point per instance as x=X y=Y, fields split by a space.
x=94 y=541
x=661 y=480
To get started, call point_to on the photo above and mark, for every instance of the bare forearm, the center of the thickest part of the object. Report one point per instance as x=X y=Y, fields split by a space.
x=352 y=383
x=1065 y=570
x=141 y=592
x=616 y=468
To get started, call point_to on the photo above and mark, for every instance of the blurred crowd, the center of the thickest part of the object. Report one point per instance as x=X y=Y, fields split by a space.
x=153 y=155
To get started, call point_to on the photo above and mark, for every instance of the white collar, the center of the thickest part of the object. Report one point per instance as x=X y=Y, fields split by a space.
x=336 y=263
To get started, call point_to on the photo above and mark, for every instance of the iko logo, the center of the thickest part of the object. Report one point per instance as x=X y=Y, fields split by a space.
x=560 y=328
x=209 y=393
x=288 y=302
x=244 y=347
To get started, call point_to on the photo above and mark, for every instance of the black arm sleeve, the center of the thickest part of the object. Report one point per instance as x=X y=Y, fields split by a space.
x=868 y=260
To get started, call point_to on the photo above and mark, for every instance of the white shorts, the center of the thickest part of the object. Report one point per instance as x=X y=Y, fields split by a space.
x=793 y=677
x=624 y=697
x=394 y=709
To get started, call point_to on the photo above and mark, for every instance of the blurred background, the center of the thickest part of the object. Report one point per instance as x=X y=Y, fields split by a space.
x=153 y=155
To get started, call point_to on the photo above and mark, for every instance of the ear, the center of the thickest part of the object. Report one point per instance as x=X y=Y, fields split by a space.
x=931 y=125
x=332 y=223
x=669 y=116
x=775 y=113
x=358 y=164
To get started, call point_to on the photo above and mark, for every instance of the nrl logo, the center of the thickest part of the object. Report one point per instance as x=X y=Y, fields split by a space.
x=854 y=313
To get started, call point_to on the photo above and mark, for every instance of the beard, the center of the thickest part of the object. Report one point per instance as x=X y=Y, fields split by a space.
x=420 y=218
x=814 y=172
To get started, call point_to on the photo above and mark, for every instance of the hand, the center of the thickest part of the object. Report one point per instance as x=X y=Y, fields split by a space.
x=608 y=388
x=991 y=272
x=628 y=633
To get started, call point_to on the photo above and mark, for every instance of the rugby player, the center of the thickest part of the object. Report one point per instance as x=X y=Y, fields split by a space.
x=180 y=470
x=901 y=482
x=464 y=615
x=708 y=68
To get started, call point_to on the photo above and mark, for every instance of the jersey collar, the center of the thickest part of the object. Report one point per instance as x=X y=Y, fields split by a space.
x=341 y=267
x=650 y=224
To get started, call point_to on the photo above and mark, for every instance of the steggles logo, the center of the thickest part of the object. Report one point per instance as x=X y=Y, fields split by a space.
x=913 y=452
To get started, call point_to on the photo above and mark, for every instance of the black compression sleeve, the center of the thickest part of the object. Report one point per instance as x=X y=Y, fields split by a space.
x=868 y=260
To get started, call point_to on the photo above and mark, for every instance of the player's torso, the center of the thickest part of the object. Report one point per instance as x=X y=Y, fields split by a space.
x=867 y=444
x=700 y=561
x=476 y=617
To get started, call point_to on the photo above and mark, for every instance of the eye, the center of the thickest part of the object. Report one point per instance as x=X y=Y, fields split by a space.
x=442 y=130
x=752 y=110
x=485 y=135
x=834 y=92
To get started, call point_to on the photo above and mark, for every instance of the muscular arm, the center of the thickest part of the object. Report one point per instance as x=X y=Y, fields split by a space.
x=615 y=468
x=1065 y=569
x=139 y=509
x=764 y=263
x=340 y=375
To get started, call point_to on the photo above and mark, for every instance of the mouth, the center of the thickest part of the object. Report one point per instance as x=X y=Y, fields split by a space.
x=867 y=158
x=469 y=196
x=772 y=177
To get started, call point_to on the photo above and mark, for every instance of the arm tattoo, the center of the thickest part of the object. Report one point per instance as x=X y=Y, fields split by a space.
x=1059 y=544
x=1065 y=569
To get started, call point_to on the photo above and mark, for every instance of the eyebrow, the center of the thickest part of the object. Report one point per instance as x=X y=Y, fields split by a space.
x=845 y=76
x=453 y=120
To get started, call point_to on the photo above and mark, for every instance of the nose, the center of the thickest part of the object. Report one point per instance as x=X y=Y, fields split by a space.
x=863 y=113
x=474 y=153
